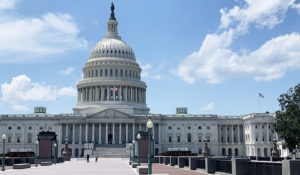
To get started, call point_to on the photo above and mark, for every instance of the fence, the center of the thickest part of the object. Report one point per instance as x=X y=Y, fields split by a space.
x=223 y=166
x=265 y=168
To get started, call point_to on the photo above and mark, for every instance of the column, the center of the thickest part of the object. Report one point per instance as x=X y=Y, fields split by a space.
x=238 y=130
x=86 y=133
x=78 y=95
x=268 y=134
x=219 y=134
x=93 y=133
x=125 y=94
x=113 y=136
x=133 y=130
x=73 y=139
x=106 y=134
x=131 y=94
x=159 y=133
x=67 y=131
x=226 y=135
x=108 y=93
x=136 y=91
x=102 y=93
x=126 y=132
x=96 y=94
x=114 y=95
x=145 y=97
x=232 y=135
x=99 y=140
x=120 y=92
x=80 y=141
x=60 y=134
x=120 y=133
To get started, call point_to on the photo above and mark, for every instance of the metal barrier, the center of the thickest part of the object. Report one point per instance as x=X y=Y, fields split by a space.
x=201 y=163
x=265 y=168
x=224 y=166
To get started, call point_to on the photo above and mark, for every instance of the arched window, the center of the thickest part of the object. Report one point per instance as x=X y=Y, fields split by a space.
x=178 y=138
x=170 y=138
x=189 y=136
x=111 y=72
x=116 y=72
x=229 y=152
x=101 y=73
x=130 y=74
x=106 y=72
x=29 y=138
x=96 y=73
x=125 y=73
x=121 y=73
x=223 y=152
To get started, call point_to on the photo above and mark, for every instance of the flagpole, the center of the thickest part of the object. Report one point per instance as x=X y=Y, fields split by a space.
x=258 y=104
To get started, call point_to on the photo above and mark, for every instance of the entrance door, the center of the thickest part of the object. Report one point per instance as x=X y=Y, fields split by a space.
x=109 y=138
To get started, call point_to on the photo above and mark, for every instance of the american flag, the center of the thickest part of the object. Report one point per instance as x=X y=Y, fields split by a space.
x=113 y=88
x=261 y=95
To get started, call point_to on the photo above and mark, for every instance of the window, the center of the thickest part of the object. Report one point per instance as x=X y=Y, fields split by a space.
x=199 y=127
x=121 y=73
x=178 y=138
x=29 y=127
x=101 y=73
x=125 y=73
x=255 y=126
x=29 y=138
x=111 y=72
x=106 y=72
x=9 y=128
x=178 y=128
x=41 y=128
x=9 y=139
x=96 y=73
x=189 y=136
x=18 y=139
x=208 y=138
x=170 y=138
x=170 y=127
x=262 y=126
x=189 y=127
x=19 y=127
x=256 y=139
x=116 y=72
x=200 y=151
x=207 y=127
x=200 y=139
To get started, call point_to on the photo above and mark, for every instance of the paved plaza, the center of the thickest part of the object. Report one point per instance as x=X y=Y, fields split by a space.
x=106 y=166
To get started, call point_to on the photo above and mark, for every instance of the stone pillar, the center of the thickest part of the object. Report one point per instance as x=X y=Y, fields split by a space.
x=114 y=95
x=67 y=131
x=136 y=91
x=86 y=133
x=125 y=94
x=106 y=134
x=93 y=133
x=60 y=134
x=159 y=133
x=268 y=134
x=120 y=92
x=133 y=130
x=131 y=94
x=80 y=141
x=90 y=94
x=232 y=135
x=100 y=138
x=102 y=93
x=108 y=93
x=238 y=130
x=126 y=132
x=73 y=137
x=225 y=128
x=120 y=133
x=96 y=94
x=113 y=136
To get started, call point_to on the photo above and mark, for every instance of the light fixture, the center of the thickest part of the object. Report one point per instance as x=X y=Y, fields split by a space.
x=149 y=124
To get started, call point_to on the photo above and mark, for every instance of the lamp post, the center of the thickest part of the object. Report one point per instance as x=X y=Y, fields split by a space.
x=138 y=149
x=55 y=145
x=133 y=154
x=3 y=157
x=149 y=126
x=130 y=152
x=36 y=152
x=275 y=152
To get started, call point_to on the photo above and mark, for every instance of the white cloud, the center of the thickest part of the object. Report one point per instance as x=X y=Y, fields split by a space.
x=7 y=4
x=215 y=61
x=145 y=70
x=21 y=89
x=266 y=13
x=31 y=38
x=297 y=6
x=208 y=107
x=19 y=107
x=156 y=77
x=67 y=71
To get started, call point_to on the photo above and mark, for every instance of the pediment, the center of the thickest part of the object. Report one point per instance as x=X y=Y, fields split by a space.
x=110 y=113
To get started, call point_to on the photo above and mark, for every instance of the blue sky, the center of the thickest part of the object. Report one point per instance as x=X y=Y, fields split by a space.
x=213 y=57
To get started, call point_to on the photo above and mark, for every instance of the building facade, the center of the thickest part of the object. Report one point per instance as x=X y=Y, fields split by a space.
x=112 y=108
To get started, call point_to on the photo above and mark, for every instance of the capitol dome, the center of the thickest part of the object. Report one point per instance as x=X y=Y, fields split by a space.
x=112 y=47
x=111 y=77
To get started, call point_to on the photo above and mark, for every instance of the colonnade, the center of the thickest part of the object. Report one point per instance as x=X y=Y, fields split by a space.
x=104 y=133
x=230 y=133
x=105 y=93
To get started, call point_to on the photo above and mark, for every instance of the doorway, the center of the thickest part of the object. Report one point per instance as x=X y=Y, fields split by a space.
x=110 y=136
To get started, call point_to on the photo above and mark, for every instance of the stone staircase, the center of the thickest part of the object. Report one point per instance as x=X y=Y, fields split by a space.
x=111 y=151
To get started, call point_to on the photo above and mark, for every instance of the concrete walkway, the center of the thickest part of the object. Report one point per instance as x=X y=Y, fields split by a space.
x=105 y=166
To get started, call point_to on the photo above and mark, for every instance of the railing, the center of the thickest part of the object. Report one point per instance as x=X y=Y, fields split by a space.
x=201 y=163
x=265 y=168
x=223 y=166
x=186 y=161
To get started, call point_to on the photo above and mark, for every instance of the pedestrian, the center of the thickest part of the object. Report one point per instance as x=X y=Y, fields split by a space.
x=96 y=159
x=87 y=157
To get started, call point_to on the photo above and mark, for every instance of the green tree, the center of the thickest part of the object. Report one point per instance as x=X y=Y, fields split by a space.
x=287 y=120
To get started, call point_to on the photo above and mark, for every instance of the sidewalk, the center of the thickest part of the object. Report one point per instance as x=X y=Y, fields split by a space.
x=105 y=166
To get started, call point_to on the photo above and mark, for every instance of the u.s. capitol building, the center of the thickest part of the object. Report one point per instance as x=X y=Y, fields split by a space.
x=112 y=107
